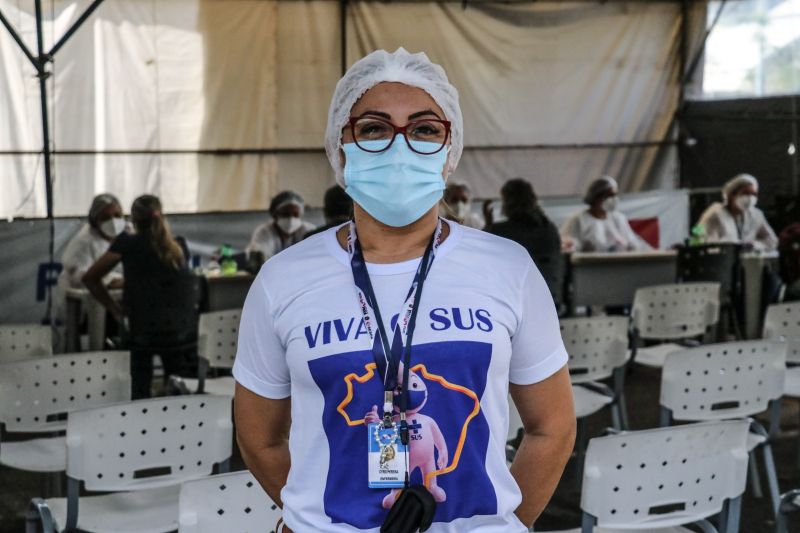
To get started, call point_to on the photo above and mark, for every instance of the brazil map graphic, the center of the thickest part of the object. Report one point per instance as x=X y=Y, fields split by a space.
x=449 y=434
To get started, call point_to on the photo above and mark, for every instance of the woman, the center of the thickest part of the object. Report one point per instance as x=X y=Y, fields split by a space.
x=601 y=227
x=527 y=225
x=104 y=223
x=148 y=256
x=286 y=228
x=738 y=219
x=316 y=343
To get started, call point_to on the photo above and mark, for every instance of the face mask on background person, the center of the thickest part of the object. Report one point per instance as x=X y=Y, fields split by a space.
x=396 y=186
x=113 y=226
x=461 y=210
x=289 y=224
x=746 y=201
x=610 y=204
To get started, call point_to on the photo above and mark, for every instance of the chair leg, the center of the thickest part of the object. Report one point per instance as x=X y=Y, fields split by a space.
x=755 y=476
x=580 y=450
x=587 y=523
x=733 y=514
x=619 y=389
x=772 y=476
x=38 y=514
x=616 y=416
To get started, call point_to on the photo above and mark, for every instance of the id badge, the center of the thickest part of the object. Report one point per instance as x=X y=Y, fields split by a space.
x=387 y=457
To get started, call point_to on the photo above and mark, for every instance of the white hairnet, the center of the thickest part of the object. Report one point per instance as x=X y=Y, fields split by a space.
x=737 y=182
x=285 y=198
x=598 y=187
x=415 y=70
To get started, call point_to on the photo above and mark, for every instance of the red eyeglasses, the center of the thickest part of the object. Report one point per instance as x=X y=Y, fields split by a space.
x=375 y=135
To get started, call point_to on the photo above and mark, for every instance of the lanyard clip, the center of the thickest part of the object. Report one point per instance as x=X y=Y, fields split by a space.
x=388 y=407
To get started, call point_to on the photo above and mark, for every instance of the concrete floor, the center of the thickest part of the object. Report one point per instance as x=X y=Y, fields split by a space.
x=16 y=488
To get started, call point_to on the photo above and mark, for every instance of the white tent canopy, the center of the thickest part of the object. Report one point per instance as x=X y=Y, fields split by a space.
x=148 y=92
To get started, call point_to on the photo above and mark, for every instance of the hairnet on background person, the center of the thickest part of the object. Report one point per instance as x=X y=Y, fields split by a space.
x=598 y=187
x=285 y=198
x=414 y=70
x=100 y=202
x=738 y=182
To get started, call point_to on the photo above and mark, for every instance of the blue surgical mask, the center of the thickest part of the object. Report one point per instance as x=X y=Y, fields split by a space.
x=396 y=186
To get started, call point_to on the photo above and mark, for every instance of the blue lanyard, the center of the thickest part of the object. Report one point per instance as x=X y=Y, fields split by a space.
x=387 y=358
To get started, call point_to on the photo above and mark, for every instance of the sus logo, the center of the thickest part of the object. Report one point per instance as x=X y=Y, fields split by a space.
x=425 y=437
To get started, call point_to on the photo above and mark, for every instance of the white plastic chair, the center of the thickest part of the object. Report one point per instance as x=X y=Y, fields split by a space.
x=142 y=451
x=23 y=341
x=782 y=323
x=598 y=349
x=676 y=312
x=725 y=381
x=227 y=502
x=790 y=504
x=37 y=394
x=216 y=348
x=658 y=480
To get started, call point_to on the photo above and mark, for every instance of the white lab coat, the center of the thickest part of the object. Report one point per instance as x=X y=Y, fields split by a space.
x=611 y=234
x=749 y=227
x=266 y=239
x=81 y=252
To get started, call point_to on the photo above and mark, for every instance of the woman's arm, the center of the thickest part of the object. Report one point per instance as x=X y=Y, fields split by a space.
x=93 y=279
x=262 y=432
x=548 y=418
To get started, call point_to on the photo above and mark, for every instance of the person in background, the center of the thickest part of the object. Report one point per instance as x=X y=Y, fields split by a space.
x=526 y=223
x=738 y=220
x=337 y=208
x=457 y=201
x=286 y=228
x=150 y=253
x=789 y=249
x=104 y=223
x=601 y=227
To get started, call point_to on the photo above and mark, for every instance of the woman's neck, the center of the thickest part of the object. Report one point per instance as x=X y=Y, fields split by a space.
x=386 y=244
x=598 y=212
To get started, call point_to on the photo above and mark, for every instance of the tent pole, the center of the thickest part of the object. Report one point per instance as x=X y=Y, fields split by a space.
x=18 y=40
x=343 y=35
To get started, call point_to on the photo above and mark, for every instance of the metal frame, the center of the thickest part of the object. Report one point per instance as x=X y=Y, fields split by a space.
x=40 y=63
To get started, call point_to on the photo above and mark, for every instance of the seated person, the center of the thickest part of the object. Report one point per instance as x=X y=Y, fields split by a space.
x=337 y=208
x=456 y=202
x=528 y=226
x=738 y=220
x=601 y=227
x=104 y=223
x=286 y=227
x=789 y=249
x=149 y=255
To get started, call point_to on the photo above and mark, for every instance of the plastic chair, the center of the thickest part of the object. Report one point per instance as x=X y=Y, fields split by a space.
x=36 y=396
x=24 y=341
x=216 y=348
x=140 y=452
x=677 y=312
x=227 y=502
x=661 y=479
x=790 y=503
x=725 y=381
x=782 y=323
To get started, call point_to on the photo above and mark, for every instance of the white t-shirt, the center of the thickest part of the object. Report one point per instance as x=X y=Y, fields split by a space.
x=486 y=318
x=610 y=234
x=265 y=239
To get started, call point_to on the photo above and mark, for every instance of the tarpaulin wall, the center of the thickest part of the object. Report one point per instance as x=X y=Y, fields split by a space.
x=148 y=92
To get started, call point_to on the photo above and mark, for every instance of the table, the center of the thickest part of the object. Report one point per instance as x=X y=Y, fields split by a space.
x=753 y=264
x=611 y=279
x=221 y=292
x=79 y=301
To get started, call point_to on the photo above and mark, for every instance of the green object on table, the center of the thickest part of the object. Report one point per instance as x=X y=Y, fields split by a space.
x=227 y=262
x=698 y=236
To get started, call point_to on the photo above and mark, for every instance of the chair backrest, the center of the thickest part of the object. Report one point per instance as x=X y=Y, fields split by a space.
x=664 y=477
x=23 y=341
x=710 y=262
x=218 y=336
x=148 y=443
x=163 y=313
x=782 y=323
x=227 y=502
x=726 y=380
x=36 y=394
x=596 y=346
x=675 y=311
